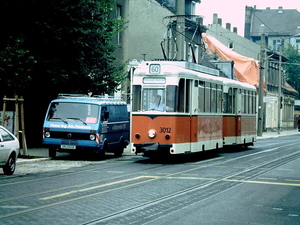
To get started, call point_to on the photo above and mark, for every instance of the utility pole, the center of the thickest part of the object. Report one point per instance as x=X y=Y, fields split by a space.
x=261 y=87
x=279 y=91
x=180 y=6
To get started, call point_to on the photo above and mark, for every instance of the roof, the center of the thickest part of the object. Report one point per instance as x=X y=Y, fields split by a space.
x=277 y=22
x=290 y=89
x=245 y=69
x=96 y=99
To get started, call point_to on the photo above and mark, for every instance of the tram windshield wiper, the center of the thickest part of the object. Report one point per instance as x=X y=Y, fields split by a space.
x=78 y=119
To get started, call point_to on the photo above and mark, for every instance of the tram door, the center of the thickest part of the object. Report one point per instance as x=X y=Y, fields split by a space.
x=184 y=106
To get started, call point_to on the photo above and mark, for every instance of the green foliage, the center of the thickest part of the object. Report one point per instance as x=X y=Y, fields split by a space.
x=292 y=67
x=64 y=45
x=15 y=65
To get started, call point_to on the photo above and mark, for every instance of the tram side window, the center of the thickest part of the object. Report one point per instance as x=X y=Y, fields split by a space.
x=243 y=101
x=219 y=97
x=201 y=96
x=254 y=103
x=136 y=103
x=250 y=102
x=187 y=95
x=171 y=97
x=184 y=95
x=234 y=106
x=207 y=97
x=213 y=92
x=246 y=102
x=181 y=95
x=228 y=103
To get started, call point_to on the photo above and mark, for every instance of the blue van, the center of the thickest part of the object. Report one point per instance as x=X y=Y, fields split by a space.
x=80 y=123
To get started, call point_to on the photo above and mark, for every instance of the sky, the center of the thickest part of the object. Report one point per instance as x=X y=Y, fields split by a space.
x=233 y=11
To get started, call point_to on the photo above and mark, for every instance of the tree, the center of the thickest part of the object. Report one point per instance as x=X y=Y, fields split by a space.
x=65 y=44
x=56 y=46
x=292 y=67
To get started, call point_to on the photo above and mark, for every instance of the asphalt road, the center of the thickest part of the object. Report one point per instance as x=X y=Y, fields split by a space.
x=260 y=185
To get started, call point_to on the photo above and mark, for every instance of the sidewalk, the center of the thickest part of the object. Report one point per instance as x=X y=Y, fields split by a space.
x=274 y=134
x=37 y=154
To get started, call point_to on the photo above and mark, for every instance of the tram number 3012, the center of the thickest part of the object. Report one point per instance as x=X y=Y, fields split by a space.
x=165 y=129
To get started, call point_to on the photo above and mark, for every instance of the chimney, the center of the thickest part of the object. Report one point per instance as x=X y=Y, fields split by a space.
x=235 y=30
x=228 y=26
x=215 y=18
x=220 y=21
x=280 y=10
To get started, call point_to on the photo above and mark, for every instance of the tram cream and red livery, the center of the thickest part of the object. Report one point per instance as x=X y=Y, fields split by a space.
x=180 y=107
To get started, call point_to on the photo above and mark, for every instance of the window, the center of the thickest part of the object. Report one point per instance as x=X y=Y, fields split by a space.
x=74 y=112
x=219 y=97
x=201 y=96
x=228 y=101
x=213 y=98
x=5 y=136
x=158 y=99
x=277 y=44
x=207 y=97
x=187 y=95
x=136 y=100
x=230 y=45
x=184 y=95
x=298 y=44
x=154 y=99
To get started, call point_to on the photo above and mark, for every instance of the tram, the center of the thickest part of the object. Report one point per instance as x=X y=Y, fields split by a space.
x=181 y=107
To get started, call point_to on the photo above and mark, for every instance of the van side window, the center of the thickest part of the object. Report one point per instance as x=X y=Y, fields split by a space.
x=112 y=113
x=104 y=114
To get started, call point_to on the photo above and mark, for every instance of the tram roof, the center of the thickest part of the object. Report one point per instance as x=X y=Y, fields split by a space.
x=178 y=68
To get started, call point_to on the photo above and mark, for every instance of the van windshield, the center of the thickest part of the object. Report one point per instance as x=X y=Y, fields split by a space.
x=73 y=112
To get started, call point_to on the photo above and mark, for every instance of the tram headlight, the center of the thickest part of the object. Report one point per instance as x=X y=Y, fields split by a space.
x=92 y=137
x=151 y=133
x=47 y=134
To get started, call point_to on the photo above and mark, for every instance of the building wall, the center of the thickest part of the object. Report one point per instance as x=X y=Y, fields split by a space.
x=145 y=30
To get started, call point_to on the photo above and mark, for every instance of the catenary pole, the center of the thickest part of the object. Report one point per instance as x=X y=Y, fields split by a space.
x=261 y=87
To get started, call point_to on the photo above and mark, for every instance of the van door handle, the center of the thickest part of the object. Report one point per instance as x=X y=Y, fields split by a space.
x=1 y=145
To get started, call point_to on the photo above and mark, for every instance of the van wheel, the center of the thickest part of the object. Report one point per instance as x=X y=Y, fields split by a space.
x=10 y=166
x=52 y=152
x=119 y=151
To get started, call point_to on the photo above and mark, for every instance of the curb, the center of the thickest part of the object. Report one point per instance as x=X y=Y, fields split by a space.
x=23 y=161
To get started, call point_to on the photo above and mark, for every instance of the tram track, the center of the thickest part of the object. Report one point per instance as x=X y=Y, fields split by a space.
x=156 y=167
x=230 y=178
x=226 y=182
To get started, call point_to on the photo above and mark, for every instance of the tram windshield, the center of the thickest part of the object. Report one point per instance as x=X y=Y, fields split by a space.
x=155 y=99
